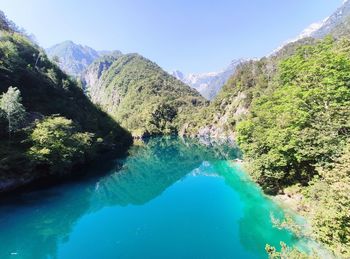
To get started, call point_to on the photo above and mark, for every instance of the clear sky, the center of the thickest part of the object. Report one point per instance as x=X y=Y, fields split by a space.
x=189 y=35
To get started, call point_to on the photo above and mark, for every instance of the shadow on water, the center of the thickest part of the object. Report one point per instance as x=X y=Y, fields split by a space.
x=36 y=222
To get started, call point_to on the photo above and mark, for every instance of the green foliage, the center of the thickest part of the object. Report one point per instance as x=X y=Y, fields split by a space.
x=233 y=102
x=287 y=223
x=304 y=122
x=329 y=206
x=12 y=108
x=57 y=142
x=162 y=117
x=297 y=132
x=47 y=91
x=286 y=253
x=140 y=95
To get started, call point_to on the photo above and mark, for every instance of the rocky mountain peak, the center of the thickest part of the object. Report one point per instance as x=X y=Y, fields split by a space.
x=209 y=84
x=75 y=58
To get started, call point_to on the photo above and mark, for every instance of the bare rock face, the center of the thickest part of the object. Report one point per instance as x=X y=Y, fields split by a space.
x=74 y=58
x=220 y=128
x=218 y=121
x=92 y=78
x=337 y=24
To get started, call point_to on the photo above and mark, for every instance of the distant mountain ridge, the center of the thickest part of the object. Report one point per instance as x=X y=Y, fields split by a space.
x=75 y=58
x=337 y=25
x=52 y=101
x=209 y=84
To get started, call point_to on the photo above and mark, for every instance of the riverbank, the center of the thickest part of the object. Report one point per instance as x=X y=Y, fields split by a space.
x=31 y=179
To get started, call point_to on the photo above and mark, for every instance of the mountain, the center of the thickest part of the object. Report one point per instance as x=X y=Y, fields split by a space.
x=74 y=58
x=289 y=114
x=209 y=84
x=337 y=25
x=138 y=94
x=179 y=75
x=61 y=128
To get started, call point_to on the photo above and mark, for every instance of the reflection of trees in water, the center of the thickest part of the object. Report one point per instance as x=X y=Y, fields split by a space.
x=35 y=223
x=155 y=166
x=255 y=227
x=40 y=220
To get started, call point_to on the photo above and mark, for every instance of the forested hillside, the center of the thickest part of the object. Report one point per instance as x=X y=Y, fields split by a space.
x=298 y=132
x=48 y=125
x=290 y=114
x=219 y=119
x=140 y=95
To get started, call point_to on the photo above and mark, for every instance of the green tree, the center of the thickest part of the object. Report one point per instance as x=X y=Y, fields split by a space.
x=303 y=122
x=329 y=206
x=12 y=109
x=58 y=143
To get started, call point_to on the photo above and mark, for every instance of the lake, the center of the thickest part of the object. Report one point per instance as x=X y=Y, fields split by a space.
x=170 y=198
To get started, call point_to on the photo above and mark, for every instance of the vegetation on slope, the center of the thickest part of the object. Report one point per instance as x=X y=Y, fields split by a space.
x=296 y=132
x=61 y=125
x=327 y=204
x=232 y=104
x=304 y=122
x=290 y=115
x=140 y=95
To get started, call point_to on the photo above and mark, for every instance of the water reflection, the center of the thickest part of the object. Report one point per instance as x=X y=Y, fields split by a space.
x=255 y=226
x=34 y=224
x=154 y=166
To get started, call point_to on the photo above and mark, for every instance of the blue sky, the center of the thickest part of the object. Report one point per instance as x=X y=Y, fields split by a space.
x=192 y=36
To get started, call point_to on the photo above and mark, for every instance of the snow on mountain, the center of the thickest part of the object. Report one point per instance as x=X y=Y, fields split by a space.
x=209 y=84
x=335 y=24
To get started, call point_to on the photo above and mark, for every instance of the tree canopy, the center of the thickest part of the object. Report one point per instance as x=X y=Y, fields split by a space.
x=12 y=109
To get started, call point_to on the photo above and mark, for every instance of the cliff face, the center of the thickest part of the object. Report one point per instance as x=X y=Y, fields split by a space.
x=92 y=77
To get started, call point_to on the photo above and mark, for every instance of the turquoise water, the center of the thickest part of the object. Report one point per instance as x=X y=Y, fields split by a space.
x=170 y=198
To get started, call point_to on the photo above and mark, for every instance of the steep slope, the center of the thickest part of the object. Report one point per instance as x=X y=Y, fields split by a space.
x=252 y=77
x=337 y=25
x=296 y=132
x=232 y=103
x=209 y=84
x=62 y=126
x=289 y=113
x=74 y=58
x=140 y=95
